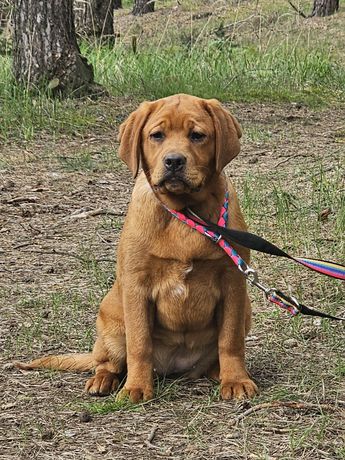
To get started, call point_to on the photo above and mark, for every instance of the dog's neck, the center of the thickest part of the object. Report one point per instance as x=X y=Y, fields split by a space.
x=205 y=202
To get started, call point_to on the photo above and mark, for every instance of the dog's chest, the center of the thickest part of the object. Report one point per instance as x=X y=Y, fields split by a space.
x=179 y=241
x=186 y=293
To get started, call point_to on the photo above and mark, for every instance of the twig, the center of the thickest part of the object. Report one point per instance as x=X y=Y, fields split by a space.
x=272 y=405
x=288 y=158
x=23 y=199
x=23 y=245
x=95 y=212
x=150 y=437
x=283 y=161
x=298 y=11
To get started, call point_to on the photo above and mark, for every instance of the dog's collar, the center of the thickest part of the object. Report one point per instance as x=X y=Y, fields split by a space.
x=220 y=235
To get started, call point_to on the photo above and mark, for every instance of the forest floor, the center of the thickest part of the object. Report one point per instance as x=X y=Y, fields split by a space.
x=57 y=261
x=56 y=265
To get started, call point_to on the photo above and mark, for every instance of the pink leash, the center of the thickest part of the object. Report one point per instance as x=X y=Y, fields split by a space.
x=275 y=296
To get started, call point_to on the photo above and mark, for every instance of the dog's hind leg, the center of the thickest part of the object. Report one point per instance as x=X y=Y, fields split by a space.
x=110 y=359
x=109 y=351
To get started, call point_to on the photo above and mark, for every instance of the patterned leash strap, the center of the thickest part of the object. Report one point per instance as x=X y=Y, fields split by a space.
x=220 y=235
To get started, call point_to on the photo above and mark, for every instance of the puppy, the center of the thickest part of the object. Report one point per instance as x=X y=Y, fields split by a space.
x=179 y=304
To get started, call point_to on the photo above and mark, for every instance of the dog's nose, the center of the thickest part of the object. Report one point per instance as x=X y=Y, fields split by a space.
x=174 y=162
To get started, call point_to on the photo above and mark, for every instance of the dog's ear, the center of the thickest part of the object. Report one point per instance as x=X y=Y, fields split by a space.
x=130 y=138
x=227 y=133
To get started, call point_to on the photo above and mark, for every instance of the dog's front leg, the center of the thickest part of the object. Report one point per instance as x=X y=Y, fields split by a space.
x=235 y=381
x=138 y=325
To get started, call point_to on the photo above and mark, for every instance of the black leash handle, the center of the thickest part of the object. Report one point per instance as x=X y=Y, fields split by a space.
x=257 y=243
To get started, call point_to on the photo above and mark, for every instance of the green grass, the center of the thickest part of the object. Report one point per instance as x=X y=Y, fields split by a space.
x=201 y=59
x=56 y=317
x=244 y=73
x=274 y=209
x=23 y=114
x=104 y=159
x=164 y=390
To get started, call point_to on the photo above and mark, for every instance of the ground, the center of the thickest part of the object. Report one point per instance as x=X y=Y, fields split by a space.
x=56 y=264
x=63 y=199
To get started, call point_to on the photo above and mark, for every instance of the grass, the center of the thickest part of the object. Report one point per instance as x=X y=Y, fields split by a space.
x=297 y=228
x=271 y=57
x=103 y=159
x=243 y=73
x=56 y=317
x=265 y=57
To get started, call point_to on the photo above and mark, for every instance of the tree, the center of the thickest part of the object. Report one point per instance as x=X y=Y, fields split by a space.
x=5 y=11
x=94 y=17
x=325 y=7
x=142 y=7
x=45 y=50
x=320 y=8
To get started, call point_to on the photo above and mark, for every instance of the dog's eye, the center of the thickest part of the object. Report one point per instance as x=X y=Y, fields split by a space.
x=195 y=136
x=157 y=136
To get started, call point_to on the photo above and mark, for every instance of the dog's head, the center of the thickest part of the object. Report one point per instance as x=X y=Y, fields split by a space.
x=181 y=141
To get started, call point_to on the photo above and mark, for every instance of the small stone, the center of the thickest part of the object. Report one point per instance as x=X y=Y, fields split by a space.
x=85 y=417
x=323 y=216
x=47 y=435
x=50 y=269
x=288 y=343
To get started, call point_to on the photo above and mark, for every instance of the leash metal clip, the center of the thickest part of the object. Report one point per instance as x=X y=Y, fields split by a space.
x=215 y=238
x=253 y=279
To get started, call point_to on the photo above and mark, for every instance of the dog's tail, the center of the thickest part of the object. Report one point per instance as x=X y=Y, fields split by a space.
x=73 y=362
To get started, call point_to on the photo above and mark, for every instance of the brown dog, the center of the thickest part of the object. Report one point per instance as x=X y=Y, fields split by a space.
x=179 y=305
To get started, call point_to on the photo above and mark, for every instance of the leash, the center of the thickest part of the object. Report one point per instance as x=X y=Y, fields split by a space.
x=221 y=235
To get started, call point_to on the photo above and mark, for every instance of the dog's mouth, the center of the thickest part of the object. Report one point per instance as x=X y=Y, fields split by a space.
x=176 y=184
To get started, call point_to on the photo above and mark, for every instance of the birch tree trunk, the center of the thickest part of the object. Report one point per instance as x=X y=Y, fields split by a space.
x=142 y=7
x=325 y=7
x=94 y=18
x=45 y=50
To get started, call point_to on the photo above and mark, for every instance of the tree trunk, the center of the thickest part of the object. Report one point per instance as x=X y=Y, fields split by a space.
x=117 y=4
x=45 y=50
x=94 y=18
x=5 y=11
x=142 y=7
x=325 y=7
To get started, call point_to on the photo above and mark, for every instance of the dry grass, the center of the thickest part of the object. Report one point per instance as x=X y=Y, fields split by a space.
x=49 y=302
x=55 y=265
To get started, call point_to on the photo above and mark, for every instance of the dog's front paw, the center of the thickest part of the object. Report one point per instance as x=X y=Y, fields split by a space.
x=135 y=393
x=240 y=389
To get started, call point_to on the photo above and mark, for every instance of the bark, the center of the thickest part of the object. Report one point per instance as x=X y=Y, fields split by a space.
x=142 y=7
x=325 y=7
x=45 y=50
x=94 y=18
x=5 y=12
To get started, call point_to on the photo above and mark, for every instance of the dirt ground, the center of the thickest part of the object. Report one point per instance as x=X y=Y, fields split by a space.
x=57 y=261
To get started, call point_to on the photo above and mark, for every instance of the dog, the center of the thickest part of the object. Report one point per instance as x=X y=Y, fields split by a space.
x=179 y=305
